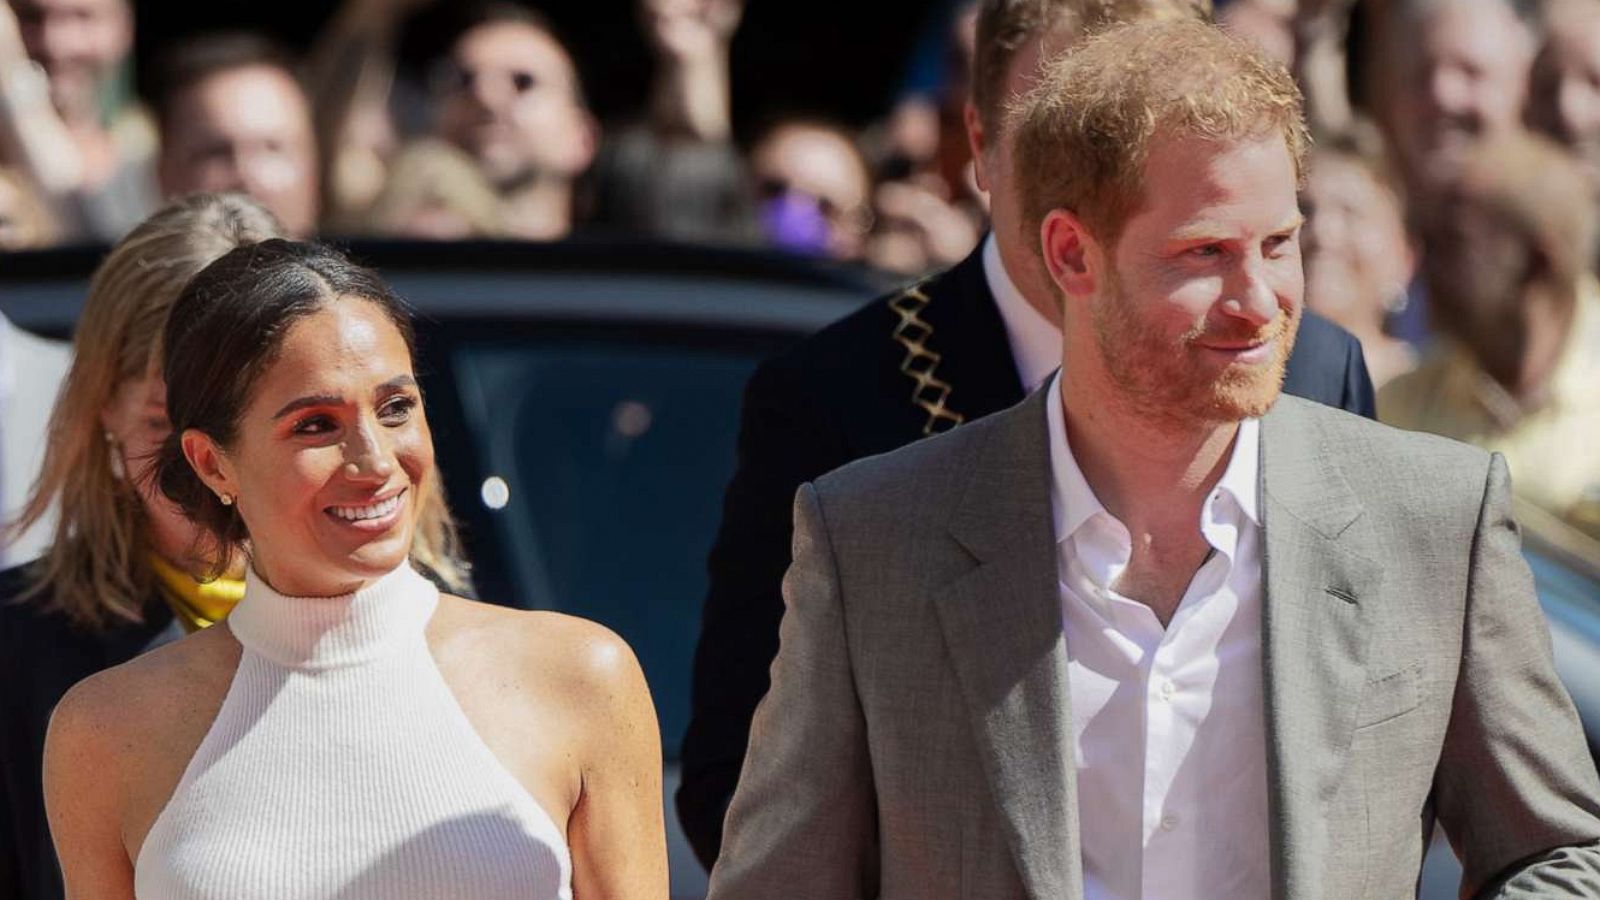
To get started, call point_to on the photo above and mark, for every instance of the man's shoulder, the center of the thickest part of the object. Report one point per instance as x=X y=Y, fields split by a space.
x=1389 y=464
x=840 y=352
x=931 y=472
x=877 y=332
x=1327 y=365
x=1317 y=332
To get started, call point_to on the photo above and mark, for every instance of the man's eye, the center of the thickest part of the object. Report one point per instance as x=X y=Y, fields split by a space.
x=1206 y=251
x=523 y=82
x=1278 y=246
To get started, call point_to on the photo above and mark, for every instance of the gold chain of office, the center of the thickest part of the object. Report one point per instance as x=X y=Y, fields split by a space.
x=921 y=365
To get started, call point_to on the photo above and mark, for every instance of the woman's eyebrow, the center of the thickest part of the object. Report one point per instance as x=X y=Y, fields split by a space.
x=399 y=381
x=308 y=401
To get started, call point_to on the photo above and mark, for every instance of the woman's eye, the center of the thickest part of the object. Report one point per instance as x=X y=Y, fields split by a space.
x=397 y=410
x=1206 y=251
x=314 y=425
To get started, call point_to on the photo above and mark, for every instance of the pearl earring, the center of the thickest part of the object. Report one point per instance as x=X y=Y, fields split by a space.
x=226 y=498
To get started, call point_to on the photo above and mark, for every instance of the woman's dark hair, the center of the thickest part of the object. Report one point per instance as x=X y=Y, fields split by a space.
x=225 y=329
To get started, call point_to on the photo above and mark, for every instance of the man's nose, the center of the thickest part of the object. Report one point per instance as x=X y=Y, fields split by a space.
x=1250 y=296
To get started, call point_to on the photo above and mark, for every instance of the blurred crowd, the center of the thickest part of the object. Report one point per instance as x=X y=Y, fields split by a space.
x=494 y=139
x=1452 y=196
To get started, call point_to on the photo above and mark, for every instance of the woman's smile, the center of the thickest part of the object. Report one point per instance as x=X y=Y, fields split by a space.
x=375 y=517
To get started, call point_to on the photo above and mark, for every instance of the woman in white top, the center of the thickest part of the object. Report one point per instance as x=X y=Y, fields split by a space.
x=349 y=732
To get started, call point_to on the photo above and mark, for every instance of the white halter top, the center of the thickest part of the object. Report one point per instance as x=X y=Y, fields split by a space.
x=341 y=766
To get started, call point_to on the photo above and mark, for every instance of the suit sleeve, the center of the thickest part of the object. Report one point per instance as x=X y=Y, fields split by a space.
x=784 y=441
x=1516 y=789
x=1359 y=395
x=803 y=824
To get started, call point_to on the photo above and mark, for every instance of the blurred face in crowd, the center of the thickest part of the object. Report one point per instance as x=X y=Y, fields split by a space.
x=331 y=453
x=248 y=130
x=1269 y=24
x=79 y=43
x=1459 y=72
x=814 y=189
x=1194 y=308
x=1564 y=99
x=512 y=102
x=1357 y=256
x=136 y=420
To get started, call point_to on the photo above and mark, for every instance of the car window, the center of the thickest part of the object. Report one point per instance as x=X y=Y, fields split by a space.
x=610 y=459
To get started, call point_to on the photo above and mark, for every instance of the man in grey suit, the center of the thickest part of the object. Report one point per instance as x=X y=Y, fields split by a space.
x=1158 y=632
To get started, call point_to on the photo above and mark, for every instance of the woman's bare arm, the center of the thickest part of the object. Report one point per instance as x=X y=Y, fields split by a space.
x=616 y=831
x=83 y=792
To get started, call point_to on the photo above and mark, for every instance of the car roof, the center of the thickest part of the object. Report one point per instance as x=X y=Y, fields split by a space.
x=585 y=279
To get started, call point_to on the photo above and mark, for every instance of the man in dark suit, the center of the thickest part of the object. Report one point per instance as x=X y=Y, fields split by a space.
x=971 y=341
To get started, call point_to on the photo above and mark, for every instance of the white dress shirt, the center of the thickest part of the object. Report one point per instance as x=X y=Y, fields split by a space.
x=1168 y=725
x=1035 y=343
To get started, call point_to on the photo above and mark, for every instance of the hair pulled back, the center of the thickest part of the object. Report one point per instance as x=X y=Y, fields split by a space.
x=225 y=330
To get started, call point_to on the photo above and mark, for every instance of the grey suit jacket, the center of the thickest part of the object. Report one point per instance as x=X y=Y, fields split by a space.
x=916 y=741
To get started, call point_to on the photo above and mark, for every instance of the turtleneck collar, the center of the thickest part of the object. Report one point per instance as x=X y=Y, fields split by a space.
x=332 y=632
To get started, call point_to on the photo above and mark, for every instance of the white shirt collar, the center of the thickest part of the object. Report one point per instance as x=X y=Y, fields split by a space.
x=1035 y=343
x=1074 y=503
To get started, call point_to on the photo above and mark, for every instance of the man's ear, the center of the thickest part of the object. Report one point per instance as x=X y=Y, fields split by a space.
x=978 y=142
x=209 y=462
x=1068 y=250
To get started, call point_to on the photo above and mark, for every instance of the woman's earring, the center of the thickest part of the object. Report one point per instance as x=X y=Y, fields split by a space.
x=226 y=498
x=119 y=471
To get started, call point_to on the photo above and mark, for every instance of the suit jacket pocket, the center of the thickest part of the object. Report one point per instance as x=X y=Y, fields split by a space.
x=1389 y=696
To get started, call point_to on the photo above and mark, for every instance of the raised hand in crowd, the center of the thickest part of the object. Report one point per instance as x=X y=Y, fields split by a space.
x=691 y=40
x=33 y=138
x=350 y=75
x=85 y=149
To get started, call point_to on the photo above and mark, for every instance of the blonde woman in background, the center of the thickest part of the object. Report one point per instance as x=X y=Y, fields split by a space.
x=115 y=581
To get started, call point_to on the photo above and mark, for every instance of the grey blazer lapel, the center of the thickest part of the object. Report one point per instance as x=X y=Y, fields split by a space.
x=1002 y=627
x=1318 y=576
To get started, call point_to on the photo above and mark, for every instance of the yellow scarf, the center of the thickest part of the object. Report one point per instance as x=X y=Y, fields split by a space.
x=196 y=604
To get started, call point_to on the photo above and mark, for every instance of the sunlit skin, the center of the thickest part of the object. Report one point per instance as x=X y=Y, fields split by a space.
x=136 y=420
x=336 y=420
x=514 y=106
x=1174 y=333
x=248 y=130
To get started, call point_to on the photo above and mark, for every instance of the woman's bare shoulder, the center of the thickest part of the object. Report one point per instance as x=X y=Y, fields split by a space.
x=577 y=654
x=151 y=690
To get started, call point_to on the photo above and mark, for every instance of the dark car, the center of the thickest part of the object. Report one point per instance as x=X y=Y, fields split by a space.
x=584 y=400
